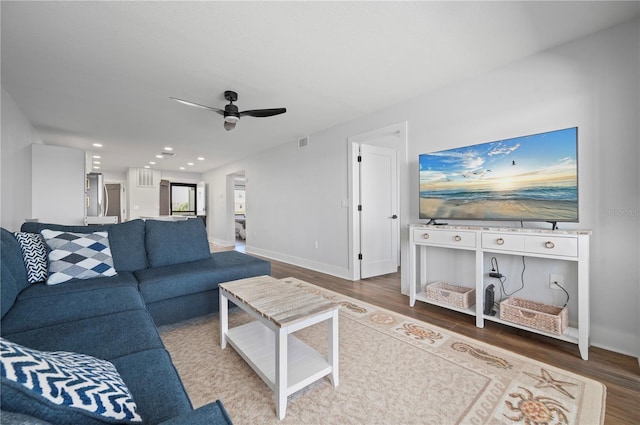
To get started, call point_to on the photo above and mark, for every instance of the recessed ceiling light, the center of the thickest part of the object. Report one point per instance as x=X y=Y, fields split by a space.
x=189 y=163
x=97 y=145
x=96 y=162
x=200 y=158
x=159 y=156
x=167 y=148
x=152 y=162
x=95 y=167
x=96 y=156
x=182 y=168
x=146 y=166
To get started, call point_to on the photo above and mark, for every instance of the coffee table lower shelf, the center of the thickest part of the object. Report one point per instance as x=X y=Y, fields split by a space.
x=256 y=345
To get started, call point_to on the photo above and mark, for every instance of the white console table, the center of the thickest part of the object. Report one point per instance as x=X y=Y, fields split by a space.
x=564 y=245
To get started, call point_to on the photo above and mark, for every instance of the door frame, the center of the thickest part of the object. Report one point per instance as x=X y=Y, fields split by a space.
x=354 y=143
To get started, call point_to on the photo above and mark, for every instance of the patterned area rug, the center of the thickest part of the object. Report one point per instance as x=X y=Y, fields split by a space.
x=393 y=369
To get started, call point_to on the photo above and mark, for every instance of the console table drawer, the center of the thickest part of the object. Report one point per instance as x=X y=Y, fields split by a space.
x=552 y=245
x=451 y=238
x=503 y=242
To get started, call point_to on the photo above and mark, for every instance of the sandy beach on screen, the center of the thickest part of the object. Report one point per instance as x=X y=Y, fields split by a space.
x=497 y=210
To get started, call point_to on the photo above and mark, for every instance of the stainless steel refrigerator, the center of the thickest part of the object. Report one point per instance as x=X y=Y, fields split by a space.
x=94 y=192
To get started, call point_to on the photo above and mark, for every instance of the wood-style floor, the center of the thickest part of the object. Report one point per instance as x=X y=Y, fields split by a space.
x=620 y=373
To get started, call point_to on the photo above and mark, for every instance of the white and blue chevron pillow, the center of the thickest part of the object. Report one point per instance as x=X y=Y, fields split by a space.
x=78 y=255
x=34 y=253
x=90 y=386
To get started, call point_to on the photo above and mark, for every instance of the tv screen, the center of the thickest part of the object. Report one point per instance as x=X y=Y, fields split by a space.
x=528 y=178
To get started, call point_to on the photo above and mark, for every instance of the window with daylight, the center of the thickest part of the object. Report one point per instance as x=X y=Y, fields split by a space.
x=183 y=199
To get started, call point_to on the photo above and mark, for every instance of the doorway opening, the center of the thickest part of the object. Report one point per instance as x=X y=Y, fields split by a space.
x=113 y=200
x=240 y=211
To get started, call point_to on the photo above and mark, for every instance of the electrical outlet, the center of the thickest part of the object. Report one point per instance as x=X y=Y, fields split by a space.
x=553 y=278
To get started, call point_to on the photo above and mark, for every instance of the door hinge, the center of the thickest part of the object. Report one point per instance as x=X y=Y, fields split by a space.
x=359 y=256
x=359 y=207
x=359 y=158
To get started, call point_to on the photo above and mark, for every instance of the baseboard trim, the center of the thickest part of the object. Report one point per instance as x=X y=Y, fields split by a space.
x=222 y=242
x=301 y=262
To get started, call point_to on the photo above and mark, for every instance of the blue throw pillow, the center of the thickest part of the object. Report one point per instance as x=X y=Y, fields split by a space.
x=174 y=242
x=78 y=255
x=63 y=387
x=34 y=253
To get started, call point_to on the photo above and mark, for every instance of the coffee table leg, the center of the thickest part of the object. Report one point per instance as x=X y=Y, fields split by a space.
x=333 y=347
x=224 y=319
x=281 y=372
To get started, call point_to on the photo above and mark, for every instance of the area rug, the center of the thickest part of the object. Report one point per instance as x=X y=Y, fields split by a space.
x=393 y=370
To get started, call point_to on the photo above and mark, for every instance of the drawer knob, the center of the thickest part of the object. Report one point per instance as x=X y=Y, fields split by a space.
x=457 y=238
x=426 y=236
x=549 y=244
x=500 y=241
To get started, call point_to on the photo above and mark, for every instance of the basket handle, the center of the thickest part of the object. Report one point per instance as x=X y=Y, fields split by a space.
x=527 y=314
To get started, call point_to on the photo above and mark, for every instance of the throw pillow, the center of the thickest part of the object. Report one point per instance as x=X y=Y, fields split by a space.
x=34 y=253
x=54 y=384
x=78 y=255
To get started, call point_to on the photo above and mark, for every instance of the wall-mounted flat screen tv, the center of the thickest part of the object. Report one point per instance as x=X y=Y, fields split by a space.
x=528 y=178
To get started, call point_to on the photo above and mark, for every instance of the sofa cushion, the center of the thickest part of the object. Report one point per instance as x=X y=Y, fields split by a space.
x=66 y=386
x=154 y=384
x=159 y=283
x=75 y=285
x=173 y=242
x=36 y=312
x=126 y=240
x=78 y=255
x=12 y=259
x=106 y=337
x=34 y=253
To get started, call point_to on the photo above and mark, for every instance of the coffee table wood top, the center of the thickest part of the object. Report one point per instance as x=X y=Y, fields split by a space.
x=283 y=302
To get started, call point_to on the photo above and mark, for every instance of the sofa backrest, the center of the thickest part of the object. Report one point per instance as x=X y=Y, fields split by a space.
x=13 y=273
x=126 y=241
x=173 y=242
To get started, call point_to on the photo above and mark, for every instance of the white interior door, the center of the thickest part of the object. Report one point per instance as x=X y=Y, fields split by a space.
x=379 y=223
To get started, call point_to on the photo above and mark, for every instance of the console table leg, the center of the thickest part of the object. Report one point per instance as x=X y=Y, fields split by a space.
x=281 y=372
x=333 y=347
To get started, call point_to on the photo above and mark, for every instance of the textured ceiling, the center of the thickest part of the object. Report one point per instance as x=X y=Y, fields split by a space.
x=103 y=72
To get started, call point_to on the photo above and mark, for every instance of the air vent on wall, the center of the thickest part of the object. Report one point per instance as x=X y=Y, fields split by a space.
x=303 y=142
x=145 y=177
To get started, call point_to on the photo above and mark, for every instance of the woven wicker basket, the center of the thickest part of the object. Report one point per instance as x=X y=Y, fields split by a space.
x=457 y=296
x=544 y=317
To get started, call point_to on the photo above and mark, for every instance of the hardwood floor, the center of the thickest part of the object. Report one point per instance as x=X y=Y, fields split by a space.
x=620 y=373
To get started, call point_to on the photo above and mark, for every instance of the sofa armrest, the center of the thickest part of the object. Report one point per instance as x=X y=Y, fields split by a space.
x=210 y=414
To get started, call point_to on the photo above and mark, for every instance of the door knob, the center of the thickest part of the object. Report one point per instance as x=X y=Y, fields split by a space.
x=394 y=216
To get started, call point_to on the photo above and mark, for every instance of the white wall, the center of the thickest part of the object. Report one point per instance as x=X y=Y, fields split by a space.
x=58 y=184
x=294 y=195
x=15 y=153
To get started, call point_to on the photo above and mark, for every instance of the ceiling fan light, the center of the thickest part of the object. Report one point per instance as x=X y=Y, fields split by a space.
x=232 y=119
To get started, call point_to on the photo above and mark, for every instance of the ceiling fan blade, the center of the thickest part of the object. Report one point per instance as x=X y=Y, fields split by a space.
x=229 y=125
x=197 y=105
x=263 y=112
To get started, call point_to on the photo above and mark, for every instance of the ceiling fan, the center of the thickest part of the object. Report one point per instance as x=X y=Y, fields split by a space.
x=230 y=112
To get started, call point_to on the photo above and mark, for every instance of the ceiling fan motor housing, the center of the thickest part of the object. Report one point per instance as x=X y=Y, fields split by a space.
x=231 y=113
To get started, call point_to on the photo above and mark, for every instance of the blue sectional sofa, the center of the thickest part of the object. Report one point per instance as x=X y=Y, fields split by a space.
x=165 y=273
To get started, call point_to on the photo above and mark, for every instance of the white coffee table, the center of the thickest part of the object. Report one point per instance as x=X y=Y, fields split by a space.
x=280 y=308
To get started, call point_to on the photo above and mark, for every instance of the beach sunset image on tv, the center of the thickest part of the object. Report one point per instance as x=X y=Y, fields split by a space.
x=529 y=178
